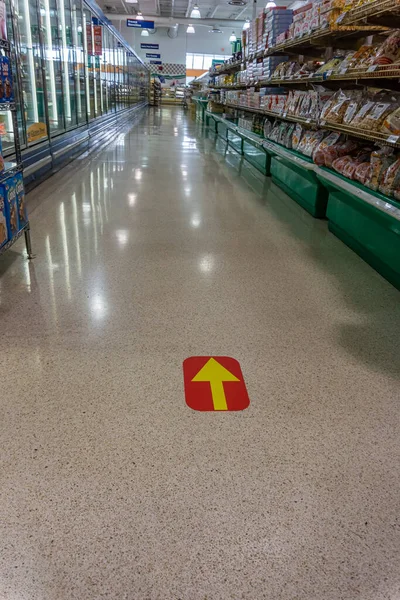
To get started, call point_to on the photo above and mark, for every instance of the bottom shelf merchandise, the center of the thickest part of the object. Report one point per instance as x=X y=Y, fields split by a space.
x=13 y=216
x=353 y=183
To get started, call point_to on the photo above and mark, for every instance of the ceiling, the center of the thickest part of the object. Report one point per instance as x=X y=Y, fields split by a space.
x=209 y=9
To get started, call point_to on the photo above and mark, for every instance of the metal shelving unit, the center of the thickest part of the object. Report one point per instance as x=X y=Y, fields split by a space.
x=12 y=168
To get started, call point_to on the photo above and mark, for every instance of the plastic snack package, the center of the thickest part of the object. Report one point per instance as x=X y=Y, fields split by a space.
x=389 y=52
x=377 y=115
x=318 y=153
x=353 y=107
x=339 y=164
x=330 y=102
x=339 y=108
x=288 y=138
x=396 y=187
x=337 y=150
x=360 y=117
x=380 y=160
x=388 y=177
x=296 y=137
x=273 y=136
x=391 y=124
x=282 y=132
x=315 y=139
x=267 y=127
x=362 y=172
x=304 y=142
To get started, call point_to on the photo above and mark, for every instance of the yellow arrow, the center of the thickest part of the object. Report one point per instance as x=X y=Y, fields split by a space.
x=216 y=374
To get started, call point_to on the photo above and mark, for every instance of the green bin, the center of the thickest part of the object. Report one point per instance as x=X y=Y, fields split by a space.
x=372 y=230
x=300 y=183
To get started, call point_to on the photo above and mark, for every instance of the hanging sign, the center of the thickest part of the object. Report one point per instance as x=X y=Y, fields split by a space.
x=89 y=39
x=156 y=62
x=97 y=38
x=140 y=24
x=214 y=384
x=150 y=46
x=152 y=55
x=36 y=131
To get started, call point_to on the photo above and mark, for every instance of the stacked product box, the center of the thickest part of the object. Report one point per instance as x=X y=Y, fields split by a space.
x=13 y=216
x=277 y=21
x=270 y=64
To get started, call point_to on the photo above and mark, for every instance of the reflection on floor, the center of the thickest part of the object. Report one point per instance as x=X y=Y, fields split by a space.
x=161 y=247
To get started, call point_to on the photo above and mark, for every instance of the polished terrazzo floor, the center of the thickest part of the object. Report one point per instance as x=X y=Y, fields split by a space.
x=158 y=248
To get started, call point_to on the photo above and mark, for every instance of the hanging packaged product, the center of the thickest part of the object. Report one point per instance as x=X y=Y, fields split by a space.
x=6 y=84
x=8 y=196
x=3 y=221
x=20 y=194
x=3 y=20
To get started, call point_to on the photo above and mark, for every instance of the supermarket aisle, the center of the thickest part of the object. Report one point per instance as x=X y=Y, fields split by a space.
x=154 y=250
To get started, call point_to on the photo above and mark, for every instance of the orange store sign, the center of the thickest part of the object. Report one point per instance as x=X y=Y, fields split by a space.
x=214 y=384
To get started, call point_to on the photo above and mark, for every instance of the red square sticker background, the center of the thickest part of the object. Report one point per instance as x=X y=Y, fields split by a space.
x=198 y=394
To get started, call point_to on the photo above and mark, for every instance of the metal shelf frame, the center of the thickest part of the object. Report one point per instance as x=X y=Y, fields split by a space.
x=12 y=168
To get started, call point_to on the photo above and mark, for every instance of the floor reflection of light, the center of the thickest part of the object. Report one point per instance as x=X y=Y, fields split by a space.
x=51 y=279
x=187 y=189
x=122 y=236
x=76 y=230
x=206 y=263
x=86 y=208
x=64 y=238
x=98 y=306
x=138 y=174
x=184 y=174
x=195 y=221
x=131 y=199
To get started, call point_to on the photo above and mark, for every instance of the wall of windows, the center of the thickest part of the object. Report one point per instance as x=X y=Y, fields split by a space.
x=72 y=68
x=203 y=61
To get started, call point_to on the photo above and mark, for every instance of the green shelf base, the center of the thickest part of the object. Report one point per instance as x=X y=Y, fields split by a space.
x=301 y=184
x=372 y=259
x=371 y=233
x=257 y=157
x=235 y=141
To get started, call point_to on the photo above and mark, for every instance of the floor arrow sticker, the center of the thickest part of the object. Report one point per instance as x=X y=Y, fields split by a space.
x=214 y=383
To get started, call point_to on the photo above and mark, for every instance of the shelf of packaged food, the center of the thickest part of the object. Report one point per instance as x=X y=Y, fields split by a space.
x=373 y=136
x=14 y=239
x=275 y=115
x=317 y=42
x=380 y=74
x=229 y=68
x=382 y=12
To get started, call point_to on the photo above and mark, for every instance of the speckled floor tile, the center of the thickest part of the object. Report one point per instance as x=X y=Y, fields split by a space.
x=160 y=247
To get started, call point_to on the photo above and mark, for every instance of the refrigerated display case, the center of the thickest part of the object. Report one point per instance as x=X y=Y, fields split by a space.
x=74 y=71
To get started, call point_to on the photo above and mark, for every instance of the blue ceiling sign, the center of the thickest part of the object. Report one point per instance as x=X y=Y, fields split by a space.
x=156 y=62
x=140 y=24
x=149 y=46
x=150 y=55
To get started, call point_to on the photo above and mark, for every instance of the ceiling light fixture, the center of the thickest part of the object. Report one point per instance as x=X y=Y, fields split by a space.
x=144 y=33
x=139 y=16
x=215 y=30
x=232 y=37
x=195 y=14
x=190 y=29
x=271 y=4
x=246 y=25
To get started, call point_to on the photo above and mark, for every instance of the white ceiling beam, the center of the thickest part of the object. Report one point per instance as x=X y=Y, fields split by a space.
x=214 y=11
x=169 y=22
x=189 y=5
x=240 y=13
x=125 y=7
